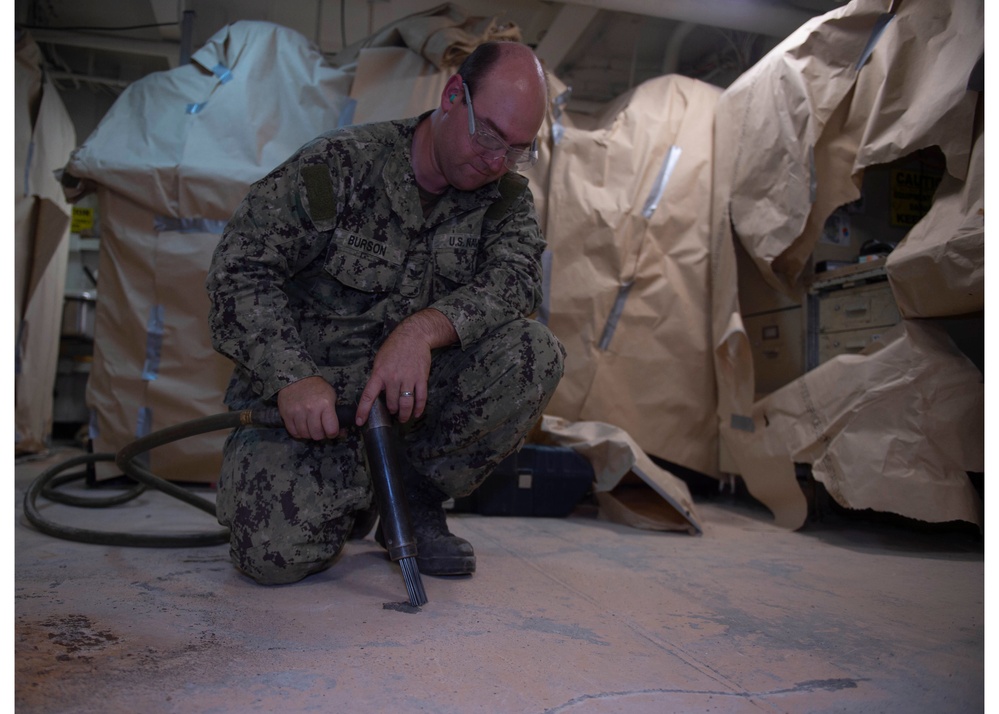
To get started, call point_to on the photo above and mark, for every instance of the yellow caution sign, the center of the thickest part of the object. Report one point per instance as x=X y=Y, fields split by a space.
x=83 y=220
x=911 y=196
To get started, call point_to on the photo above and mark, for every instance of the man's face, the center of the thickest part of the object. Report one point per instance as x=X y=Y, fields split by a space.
x=507 y=111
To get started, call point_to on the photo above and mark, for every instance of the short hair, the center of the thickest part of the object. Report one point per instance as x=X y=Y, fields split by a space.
x=481 y=61
x=477 y=65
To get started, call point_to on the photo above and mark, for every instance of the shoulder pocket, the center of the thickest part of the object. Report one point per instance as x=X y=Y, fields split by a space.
x=320 y=201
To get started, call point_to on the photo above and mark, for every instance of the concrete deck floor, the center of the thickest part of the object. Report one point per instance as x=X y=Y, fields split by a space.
x=572 y=615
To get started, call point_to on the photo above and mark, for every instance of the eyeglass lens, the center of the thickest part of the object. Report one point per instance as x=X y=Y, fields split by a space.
x=485 y=139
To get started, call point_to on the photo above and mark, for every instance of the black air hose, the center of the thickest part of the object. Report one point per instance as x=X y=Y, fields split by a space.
x=46 y=483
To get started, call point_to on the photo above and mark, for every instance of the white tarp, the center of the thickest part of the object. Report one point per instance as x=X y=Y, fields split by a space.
x=171 y=161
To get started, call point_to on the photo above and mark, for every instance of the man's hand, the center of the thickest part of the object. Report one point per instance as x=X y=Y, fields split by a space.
x=402 y=365
x=308 y=408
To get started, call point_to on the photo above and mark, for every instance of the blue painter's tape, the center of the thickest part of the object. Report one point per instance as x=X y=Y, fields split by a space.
x=743 y=423
x=143 y=425
x=615 y=315
x=222 y=72
x=154 y=343
x=659 y=187
x=169 y=224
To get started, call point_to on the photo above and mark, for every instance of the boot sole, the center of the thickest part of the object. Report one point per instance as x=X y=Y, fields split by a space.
x=446 y=566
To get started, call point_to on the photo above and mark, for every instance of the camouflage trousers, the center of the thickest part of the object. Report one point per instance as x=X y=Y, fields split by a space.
x=290 y=504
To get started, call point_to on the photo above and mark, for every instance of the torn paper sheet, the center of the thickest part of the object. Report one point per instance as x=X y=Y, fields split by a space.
x=895 y=429
x=619 y=466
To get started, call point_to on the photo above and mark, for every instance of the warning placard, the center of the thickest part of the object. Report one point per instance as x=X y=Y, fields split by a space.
x=83 y=220
x=911 y=196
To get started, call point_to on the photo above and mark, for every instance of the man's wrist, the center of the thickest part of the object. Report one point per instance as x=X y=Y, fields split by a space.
x=431 y=326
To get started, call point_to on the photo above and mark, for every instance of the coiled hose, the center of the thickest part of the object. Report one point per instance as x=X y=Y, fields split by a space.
x=46 y=483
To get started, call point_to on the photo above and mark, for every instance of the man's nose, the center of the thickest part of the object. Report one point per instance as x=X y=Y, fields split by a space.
x=496 y=163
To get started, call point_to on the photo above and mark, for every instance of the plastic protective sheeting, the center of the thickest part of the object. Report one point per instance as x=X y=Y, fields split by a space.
x=628 y=229
x=43 y=139
x=171 y=161
x=866 y=84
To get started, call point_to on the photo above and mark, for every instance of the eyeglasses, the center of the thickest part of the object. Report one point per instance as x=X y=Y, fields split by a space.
x=486 y=140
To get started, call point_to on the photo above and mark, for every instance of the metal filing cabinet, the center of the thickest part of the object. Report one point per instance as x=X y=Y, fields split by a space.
x=777 y=340
x=849 y=309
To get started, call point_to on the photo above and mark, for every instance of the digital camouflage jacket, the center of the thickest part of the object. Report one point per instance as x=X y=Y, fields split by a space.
x=330 y=251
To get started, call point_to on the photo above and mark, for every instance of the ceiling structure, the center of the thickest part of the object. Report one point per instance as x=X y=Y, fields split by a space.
x=600 y=48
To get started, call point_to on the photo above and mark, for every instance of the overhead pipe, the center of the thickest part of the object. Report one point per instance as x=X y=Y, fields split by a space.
x=671 y=58
x=761 y=17
x=186 y=36
x=86 y=78
x=152 y=48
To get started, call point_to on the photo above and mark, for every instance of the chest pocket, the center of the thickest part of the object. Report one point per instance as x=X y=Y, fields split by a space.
x=456 y=256
x=362 y=263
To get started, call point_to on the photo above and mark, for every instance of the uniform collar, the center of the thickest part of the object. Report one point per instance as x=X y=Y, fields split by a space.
x=453 y=202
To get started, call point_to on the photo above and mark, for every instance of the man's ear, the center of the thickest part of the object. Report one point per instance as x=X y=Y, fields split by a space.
x=455 y=88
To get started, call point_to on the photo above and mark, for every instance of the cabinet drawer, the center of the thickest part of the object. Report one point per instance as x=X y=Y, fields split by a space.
x=855 y=308
x=849 y=342
x=777 y=340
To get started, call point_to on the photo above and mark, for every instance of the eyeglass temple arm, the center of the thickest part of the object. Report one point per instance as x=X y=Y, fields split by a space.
x=468 y=103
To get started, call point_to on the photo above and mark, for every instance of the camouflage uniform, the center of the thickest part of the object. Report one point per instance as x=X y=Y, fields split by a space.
x=324 y=257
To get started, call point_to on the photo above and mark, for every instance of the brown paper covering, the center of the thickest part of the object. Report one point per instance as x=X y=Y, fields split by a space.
x=805 y=116
x=44 y=138
x=654 y=377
